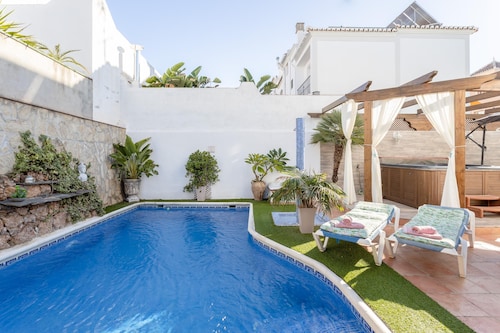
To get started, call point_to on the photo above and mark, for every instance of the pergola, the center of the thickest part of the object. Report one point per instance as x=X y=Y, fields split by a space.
x=485 y=98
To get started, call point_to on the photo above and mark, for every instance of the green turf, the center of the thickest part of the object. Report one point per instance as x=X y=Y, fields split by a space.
x=402 y=306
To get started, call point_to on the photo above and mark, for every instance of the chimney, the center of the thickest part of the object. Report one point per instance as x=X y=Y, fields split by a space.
x=299 y=26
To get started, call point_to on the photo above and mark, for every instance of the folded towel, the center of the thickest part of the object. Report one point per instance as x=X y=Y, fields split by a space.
x=410 y=231
x=424 y=229
x=347 y=220
x=348 y=225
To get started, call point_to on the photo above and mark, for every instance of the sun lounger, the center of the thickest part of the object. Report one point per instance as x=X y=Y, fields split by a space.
x=373 y=216
x=450 y=223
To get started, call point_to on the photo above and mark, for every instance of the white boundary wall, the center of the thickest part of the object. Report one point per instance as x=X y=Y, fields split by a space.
x=232 y=122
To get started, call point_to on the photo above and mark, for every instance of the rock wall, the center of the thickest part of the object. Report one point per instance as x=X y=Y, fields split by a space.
x=19 y=225
x=86 y=140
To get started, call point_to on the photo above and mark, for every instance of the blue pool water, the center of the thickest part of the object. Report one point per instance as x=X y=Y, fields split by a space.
x=167 y=270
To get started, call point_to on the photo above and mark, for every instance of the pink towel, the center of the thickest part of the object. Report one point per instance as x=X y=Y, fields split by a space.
x=411 y=231
x=346 y=222
x=424 y=229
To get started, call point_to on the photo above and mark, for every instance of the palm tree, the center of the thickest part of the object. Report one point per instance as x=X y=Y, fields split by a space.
x=329 y=130
x=265 y=85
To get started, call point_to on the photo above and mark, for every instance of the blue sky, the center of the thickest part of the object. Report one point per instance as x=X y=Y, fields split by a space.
x=224 y=36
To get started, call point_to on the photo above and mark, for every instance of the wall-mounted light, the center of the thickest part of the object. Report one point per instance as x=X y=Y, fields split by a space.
x=396 y=136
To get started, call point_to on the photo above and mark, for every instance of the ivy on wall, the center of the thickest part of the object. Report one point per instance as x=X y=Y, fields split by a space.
x=45 y=163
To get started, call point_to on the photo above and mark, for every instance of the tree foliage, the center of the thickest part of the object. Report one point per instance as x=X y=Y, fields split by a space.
x=265 y=85
x=133 y=159
x=175 y=77
x=329 y=130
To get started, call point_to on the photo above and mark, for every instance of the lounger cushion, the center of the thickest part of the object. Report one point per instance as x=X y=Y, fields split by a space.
x=449 y=222
x=372 y=215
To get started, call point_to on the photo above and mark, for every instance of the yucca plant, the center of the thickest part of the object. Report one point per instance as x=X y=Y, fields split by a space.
x=14 y=29
x=62 y=56
x=133 y=159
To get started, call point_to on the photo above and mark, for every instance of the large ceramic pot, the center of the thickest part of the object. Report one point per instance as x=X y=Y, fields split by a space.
x=306 y=219
x=131 y=188
x=258 y=189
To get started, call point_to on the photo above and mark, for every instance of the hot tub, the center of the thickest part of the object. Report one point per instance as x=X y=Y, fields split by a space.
x=417 y=183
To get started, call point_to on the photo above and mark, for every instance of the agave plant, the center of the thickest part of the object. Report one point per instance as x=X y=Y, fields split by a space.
x=133 y=160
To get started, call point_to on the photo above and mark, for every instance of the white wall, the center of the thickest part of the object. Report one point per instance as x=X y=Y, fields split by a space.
x=234 y=121
x=35 y=79
x=86 y=26
x=341 y=60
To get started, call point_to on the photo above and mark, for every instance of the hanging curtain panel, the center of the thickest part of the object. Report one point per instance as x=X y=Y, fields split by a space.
x=383 y=115
x=349 y=111
x=439 y=108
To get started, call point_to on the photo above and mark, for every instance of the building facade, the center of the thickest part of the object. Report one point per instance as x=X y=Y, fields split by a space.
x=336 y=60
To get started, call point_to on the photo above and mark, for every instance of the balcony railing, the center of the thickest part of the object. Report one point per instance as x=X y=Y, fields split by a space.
x=305 y=87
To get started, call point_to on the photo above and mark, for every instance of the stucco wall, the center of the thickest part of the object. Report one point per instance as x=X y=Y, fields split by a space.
x=86 y=26
x=33 y=78
x=232 y=122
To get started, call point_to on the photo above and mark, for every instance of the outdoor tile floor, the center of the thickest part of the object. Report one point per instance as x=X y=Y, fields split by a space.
x=475 y=299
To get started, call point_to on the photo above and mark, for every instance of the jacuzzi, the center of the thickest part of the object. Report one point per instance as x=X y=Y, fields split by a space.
x=421 y=182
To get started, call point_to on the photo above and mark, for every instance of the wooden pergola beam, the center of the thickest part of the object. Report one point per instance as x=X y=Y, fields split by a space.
x=364 y=87
x=426 y=78
x=458 y=87
x=421 y=89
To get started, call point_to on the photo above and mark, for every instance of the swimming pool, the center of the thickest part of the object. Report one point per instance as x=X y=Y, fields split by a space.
x=169 y=269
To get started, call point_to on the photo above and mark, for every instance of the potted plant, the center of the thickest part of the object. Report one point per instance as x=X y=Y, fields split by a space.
x=19 y=194
x=262 y=165
x=310 y=192
x=133 y=160
x=202 y=170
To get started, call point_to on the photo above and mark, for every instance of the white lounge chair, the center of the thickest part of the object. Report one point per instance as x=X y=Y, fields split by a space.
x=373 y=216
x=450 y=223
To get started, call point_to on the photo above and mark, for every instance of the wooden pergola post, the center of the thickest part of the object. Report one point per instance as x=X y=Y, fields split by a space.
x=459 y=102
x=423 y=86
x=368 y=150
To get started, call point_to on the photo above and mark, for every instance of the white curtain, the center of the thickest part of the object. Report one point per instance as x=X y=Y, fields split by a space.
x=349 y=111
x=383 y=115
x=439 y=109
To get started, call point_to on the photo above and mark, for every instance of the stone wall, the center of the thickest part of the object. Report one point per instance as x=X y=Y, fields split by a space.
x=19 y=225
x=87 y=141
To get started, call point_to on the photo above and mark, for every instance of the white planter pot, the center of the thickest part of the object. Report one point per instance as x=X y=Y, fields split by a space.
x=306 y=219
x=201 y=193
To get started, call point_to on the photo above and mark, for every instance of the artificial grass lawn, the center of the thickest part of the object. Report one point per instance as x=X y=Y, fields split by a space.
x=402 y=306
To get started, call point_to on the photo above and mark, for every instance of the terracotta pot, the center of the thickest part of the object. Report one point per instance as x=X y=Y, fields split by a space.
x=306 y=219
x=258 y=189
x=131 y=188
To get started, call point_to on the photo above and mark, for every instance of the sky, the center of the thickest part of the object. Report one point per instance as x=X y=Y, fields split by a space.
x=225 y=36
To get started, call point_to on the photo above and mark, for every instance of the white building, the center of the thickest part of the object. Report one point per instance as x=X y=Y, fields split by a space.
x=88 y=27
x=335 y=60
